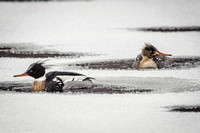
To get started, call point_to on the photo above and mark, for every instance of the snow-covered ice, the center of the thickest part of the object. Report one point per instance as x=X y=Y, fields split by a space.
x=142 y=113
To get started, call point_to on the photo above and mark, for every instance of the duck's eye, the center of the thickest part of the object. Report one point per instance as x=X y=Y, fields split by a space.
x=31 y=71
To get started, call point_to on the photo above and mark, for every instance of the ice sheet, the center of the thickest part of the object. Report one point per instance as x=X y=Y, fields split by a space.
x=23 y=112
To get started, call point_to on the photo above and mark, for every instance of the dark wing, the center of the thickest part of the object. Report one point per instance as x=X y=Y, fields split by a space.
x=54 y=83
x=69 y=73
x=137 y=61
x=51 y=75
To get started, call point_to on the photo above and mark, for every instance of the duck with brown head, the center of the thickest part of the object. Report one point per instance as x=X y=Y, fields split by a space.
x=54 y=81
x=151 y=58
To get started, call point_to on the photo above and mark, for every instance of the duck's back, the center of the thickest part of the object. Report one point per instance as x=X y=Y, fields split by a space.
x=55 y=80
x=162 y=61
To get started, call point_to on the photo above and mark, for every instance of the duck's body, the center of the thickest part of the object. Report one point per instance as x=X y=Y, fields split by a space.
x=151 y=58
x=156 y=62
x=59 y=81
x=55 y=81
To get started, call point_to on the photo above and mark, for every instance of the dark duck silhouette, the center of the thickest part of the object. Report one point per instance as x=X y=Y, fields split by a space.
x=55 y=81
x=151 y=58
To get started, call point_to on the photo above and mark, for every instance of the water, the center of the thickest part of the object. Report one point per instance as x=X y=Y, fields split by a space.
x=99 y=28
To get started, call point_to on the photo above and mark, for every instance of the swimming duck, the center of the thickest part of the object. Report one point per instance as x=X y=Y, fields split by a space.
x=55 y=81
x=151 y=58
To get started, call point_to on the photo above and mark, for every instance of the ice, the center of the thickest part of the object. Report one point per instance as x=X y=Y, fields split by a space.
x=23 y=112
x=99 y=26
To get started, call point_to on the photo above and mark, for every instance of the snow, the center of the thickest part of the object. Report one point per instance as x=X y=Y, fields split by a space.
x=99 y=27
x=97 y=113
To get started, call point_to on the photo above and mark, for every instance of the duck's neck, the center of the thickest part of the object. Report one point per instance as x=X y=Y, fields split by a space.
x=147 y=63
x=38 y=84
x=41 y=78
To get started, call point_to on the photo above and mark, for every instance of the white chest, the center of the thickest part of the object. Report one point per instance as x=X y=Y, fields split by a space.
x=147 y=63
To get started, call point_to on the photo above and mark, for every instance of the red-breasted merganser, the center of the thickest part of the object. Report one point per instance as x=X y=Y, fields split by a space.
x=55 y=81
x=151 y=58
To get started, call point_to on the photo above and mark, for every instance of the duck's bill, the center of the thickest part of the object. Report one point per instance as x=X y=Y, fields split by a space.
x=162 y=54
x=24 y=74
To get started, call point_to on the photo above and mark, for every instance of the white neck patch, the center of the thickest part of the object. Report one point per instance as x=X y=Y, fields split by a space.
x=40 y=79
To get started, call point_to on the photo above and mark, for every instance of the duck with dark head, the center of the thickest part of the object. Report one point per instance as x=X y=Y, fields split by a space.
x=55 y=81
x=151 y=58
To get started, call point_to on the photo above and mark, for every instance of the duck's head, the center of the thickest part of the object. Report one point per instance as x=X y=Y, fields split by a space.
x=35 y=70
x=150 y=51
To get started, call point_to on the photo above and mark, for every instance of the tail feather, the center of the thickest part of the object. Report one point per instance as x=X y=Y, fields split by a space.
x=89 y=78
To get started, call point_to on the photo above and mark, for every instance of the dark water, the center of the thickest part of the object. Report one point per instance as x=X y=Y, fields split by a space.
x=183 y=108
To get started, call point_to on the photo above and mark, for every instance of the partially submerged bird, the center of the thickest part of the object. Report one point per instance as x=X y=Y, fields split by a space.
x=151 y=58
x=55 y=81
